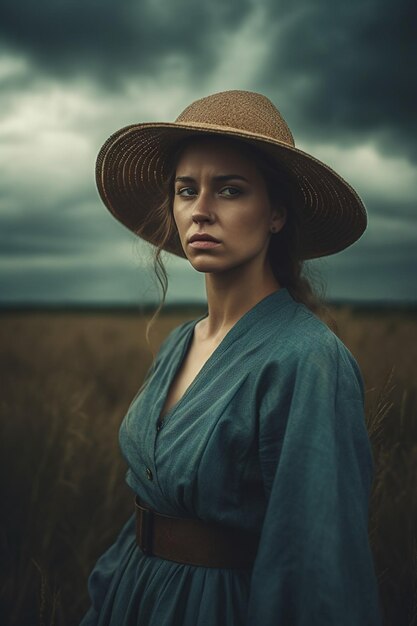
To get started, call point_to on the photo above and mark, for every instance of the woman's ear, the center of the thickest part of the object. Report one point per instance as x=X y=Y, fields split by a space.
x=278 y=218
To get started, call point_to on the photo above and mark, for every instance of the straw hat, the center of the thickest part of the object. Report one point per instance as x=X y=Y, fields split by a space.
x=133 y=163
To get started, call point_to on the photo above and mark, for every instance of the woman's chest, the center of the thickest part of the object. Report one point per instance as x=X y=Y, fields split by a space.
x=193 y=362
x=204 y=449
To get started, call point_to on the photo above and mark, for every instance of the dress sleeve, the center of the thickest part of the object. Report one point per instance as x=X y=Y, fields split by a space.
x=314 y=565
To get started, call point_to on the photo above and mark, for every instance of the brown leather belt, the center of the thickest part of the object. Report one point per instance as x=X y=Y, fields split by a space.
x=193 y=541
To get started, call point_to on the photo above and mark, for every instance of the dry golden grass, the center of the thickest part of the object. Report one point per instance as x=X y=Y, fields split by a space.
x=67 y=380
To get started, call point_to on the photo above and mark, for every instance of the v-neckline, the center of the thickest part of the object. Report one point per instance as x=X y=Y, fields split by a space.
x=213 y=356
x=187 y=344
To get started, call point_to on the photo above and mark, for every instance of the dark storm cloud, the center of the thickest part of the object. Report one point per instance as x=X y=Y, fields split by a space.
x=51 y=234
x=349 y=68
x=66 y=233
x=76 y=284
x=386 y=270
x=404 y=210
x=110 y=41
x=341 y=70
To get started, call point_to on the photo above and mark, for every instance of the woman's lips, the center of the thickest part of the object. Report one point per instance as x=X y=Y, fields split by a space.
x=204 y=243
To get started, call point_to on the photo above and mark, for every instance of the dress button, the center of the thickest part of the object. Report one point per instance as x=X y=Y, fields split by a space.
x=149 y=474
x=159 y=425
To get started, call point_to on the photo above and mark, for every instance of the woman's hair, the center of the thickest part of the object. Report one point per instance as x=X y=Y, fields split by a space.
x=284 y=252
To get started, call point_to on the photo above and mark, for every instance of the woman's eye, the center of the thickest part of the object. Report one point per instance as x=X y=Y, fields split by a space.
x=185 y=191
x=230 y=191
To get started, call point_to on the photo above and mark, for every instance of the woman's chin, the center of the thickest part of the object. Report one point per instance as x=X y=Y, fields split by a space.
x=209 y=266
x=204 y=262
x=205 y=268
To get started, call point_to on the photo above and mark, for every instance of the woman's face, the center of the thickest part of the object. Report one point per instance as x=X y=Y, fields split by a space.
x=220 y=192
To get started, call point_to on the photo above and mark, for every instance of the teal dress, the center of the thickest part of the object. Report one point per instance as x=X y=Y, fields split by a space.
x=269 y=437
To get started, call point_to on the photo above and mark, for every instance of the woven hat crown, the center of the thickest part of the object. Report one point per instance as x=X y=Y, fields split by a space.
x=240 y=110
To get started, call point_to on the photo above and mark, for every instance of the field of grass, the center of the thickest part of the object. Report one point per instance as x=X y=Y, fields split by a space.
x=66 y=382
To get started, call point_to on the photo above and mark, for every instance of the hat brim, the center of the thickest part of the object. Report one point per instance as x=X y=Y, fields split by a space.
x=132 y=167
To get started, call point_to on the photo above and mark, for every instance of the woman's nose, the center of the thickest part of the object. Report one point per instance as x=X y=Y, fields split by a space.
x=202 y=211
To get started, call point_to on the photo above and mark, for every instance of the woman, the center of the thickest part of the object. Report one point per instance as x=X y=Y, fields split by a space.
x=247 y=445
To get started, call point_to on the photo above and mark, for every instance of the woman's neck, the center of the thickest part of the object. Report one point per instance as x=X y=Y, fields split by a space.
x=231 y=294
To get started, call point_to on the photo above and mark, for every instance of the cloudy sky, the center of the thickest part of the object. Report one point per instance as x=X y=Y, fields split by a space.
x=71 y=73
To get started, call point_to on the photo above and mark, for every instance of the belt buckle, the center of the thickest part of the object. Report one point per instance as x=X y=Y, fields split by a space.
x=146 y=529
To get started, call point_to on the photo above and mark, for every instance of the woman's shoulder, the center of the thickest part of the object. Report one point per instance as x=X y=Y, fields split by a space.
x=306 y=337
x=307 y=352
